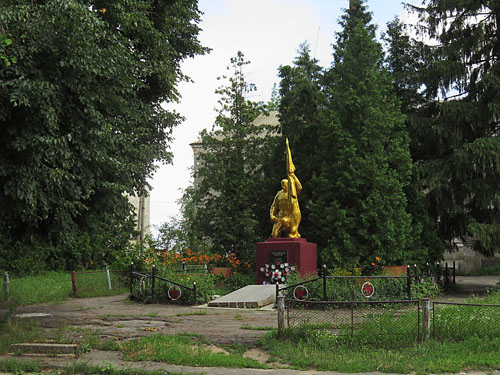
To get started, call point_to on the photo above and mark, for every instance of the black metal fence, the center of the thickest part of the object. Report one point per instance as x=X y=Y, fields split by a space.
x=367 y=318
x=362 y=288
x=457 y=321
x=151 y=288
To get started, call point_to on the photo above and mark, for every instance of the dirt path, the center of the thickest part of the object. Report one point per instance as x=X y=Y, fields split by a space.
x=116 y=317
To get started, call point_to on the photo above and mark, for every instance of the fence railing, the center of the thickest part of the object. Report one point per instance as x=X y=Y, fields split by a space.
x=359 y=288
x=369 y=318
x=451 y=320
x=152 y=288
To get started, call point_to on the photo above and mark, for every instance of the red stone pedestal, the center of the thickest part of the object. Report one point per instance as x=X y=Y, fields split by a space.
x=296 y=251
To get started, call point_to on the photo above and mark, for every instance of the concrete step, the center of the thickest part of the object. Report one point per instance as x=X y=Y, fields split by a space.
x=44 y=348
x=250 y=296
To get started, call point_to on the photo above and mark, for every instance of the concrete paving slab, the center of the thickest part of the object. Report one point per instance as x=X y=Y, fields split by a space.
x=44 y=348
x=250 y=296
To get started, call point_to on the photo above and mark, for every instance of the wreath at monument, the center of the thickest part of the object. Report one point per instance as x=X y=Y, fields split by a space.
x=278 y=272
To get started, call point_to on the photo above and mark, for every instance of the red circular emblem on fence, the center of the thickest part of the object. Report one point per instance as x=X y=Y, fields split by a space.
x=300 y=293
x=367 y=289
x=174 y=292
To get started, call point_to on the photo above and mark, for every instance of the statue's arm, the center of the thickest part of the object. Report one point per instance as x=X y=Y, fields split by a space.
x=274 y=207
x=298 y=185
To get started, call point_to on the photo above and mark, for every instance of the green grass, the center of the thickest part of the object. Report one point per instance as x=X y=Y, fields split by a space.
x=20 y=330
x=324 y=353
x=15 y=366
x=13 y=331
x=48 y=287
x=182 y=350
x=55 y=287
x=21 y=367
x=469 y=341
x=189 y=313
x=252 y=328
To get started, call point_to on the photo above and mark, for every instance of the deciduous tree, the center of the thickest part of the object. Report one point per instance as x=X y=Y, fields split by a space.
x=81 y=121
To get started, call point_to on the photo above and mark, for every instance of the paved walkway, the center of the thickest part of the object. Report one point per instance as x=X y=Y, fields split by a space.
x=476 y=284
x=107 y=359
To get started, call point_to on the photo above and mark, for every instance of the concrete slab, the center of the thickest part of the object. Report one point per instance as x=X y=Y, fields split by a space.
x=32 y=315
x=44 y=348
x=250 y=296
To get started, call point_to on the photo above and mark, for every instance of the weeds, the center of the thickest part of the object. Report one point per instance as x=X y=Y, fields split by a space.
x=201 y=312
x=182 y=350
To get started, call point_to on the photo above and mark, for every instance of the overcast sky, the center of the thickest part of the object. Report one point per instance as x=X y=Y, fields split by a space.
x=269 y=33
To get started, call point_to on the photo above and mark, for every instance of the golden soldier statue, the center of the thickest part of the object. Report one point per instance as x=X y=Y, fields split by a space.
x=287 y=220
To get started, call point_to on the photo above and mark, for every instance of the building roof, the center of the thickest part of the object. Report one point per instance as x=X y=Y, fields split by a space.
x=271 y=118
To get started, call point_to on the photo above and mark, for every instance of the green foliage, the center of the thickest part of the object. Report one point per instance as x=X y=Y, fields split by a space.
x=452 y=106
x=346 y=289
x=228 y=208
x=301 y=115
x=358 y=204
x=205 y=287
x=81 y=121
x=5 y=60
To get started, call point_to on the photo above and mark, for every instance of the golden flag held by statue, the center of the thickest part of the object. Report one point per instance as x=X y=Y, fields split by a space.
x=290 y=169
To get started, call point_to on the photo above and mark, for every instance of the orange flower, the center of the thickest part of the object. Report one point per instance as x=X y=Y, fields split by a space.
x=378 y=259
x=373 y=264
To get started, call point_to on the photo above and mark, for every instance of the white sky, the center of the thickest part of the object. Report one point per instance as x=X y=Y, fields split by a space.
x=269 y=33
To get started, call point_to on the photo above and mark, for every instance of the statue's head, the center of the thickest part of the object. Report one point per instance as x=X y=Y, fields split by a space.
x=284 y=185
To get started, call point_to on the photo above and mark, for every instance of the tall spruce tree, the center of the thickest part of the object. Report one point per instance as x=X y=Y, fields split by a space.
x=406 y=61
x=456 y=128
x=233 y=195
x=359 y=205
x=301 y=106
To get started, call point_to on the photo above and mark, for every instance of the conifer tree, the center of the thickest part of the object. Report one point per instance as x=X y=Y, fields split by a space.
x=233 y=196
x=406 y=61
x=359 y=205
x=301 y=107
x=456 y=130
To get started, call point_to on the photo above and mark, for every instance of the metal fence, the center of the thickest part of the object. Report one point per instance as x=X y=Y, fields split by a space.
x=85 y=283
x=362 y=288
x=457 y=321
x=151 y=288
x=369 y=318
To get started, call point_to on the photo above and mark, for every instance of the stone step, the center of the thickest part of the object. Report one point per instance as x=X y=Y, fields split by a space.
x=44 y=348
x=250 y=296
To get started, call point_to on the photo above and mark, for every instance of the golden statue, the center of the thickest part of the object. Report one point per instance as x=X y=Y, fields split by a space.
x=286 y=222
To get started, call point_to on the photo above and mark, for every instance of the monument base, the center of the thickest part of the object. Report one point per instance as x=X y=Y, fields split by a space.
x=294 y=251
